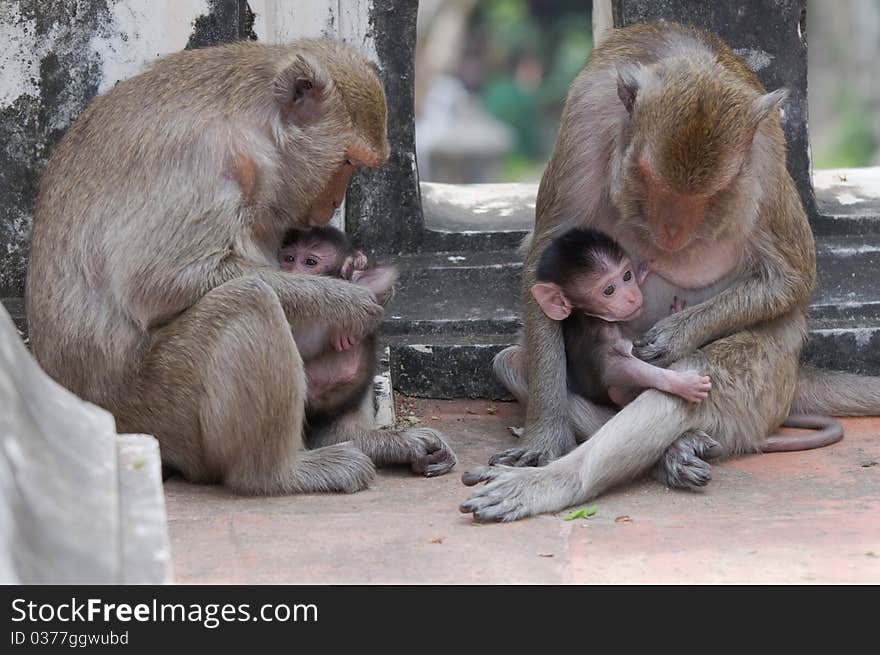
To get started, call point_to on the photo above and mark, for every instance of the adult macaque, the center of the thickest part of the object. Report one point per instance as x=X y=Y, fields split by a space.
x=169 y=198
x=670 y=145
x=339 y=368
x=586 y=281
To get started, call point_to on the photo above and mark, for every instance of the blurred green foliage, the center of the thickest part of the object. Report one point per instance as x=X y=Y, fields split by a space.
x=853 y=144
x=531 y=51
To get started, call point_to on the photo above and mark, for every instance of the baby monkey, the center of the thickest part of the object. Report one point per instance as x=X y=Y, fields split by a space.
x=586 y=280
x=339 y=369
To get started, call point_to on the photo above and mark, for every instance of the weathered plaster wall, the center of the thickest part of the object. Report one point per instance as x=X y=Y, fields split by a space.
x=57 y=56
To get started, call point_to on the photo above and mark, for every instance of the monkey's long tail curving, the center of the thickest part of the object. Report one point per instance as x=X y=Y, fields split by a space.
x=835 y=393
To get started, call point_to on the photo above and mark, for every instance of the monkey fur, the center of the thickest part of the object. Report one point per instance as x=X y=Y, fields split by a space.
x=586 y=281
x=169 y=197
x=339 y=371
x=669 y=144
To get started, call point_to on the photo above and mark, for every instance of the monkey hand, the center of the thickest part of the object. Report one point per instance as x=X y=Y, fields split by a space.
x=667 y=341
x=690 y=385
x=356 y=262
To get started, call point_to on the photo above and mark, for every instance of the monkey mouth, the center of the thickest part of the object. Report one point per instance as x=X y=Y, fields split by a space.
x=631 y=316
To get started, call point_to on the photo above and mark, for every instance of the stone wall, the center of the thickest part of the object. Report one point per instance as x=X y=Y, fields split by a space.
x=59 y=54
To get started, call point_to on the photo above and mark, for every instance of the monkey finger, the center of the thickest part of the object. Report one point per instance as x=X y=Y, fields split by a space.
x=507 y=457
x=437 y=463
x=479 y=474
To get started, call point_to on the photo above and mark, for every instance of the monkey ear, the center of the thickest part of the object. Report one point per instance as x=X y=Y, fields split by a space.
x=378 y=279
x=552 y=300
x=300 y=89
x=769 y=102
x=627 y=87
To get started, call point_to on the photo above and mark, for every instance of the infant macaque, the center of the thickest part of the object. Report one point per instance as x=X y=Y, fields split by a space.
x=586 y=280
x=338 y=368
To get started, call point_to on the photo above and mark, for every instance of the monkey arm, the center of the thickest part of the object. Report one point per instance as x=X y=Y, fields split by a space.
x=548 y=431
x=305 y=299
x=324 y=300
x=620 y=370
x=775 y=284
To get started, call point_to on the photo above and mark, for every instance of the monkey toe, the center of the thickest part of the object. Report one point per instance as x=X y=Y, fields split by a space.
x=682 y=465
x=432 y=455
x=436 y=463
x=479 y=474
x=520 y=457
x=705 y=446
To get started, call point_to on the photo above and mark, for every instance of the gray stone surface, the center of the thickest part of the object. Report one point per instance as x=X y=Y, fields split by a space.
x=771 y=36
x=383 y=208
x=69 y=514
x=454 y=310
x=52 y=68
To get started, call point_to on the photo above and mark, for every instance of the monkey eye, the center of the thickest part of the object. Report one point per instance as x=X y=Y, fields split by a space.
x=627 y=276
x=289 y=259
x=608 y=290
x=311 y=261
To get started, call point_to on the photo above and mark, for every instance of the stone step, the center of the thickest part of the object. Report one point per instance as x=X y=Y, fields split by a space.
x=453 y=312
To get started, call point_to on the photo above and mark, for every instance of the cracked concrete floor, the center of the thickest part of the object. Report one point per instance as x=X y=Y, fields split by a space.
x=809 y=517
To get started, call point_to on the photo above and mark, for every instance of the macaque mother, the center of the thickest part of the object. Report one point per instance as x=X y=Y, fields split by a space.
x=153 y=286
x=670 y=145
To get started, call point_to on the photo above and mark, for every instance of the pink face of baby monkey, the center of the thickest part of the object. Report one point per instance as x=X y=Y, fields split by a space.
x=611 y=293
x=312 y=258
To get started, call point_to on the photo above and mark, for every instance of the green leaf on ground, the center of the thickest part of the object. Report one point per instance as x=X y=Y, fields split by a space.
x=582 y=513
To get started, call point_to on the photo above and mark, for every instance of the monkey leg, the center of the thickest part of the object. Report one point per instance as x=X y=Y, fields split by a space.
x=422 y=449
x=222 y=389
x=753 y=375
x=511 y=370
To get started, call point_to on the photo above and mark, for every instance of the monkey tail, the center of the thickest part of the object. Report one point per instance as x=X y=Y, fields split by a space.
x=826 y=431
x=835 y=393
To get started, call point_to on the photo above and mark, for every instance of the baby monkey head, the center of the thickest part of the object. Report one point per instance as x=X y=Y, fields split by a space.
x=317 y=251
x=586 y=270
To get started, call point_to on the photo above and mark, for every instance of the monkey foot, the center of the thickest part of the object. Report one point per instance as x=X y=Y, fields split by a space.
x=514 y=493
x=683 y=464
x=432 y=456
x=540 y=453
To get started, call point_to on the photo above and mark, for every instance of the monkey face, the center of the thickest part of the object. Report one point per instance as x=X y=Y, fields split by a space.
x=672 y=217
x=310 y=258
x=331 y=197
x=613 y=295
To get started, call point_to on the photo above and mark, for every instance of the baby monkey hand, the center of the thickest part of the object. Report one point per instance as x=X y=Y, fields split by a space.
x=690 y=385
x=356 y=262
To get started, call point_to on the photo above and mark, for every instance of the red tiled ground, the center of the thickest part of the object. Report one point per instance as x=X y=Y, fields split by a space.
x=810 y=517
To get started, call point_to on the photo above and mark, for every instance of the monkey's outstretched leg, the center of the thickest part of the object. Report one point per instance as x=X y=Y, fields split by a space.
x=741 y=409
x=423 y=449
x=228 y=370
x=510 y=369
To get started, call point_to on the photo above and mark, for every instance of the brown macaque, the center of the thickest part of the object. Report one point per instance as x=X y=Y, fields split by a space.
x=339 y=368
x=671 y=146
x=586 y=281
x=170 y=196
